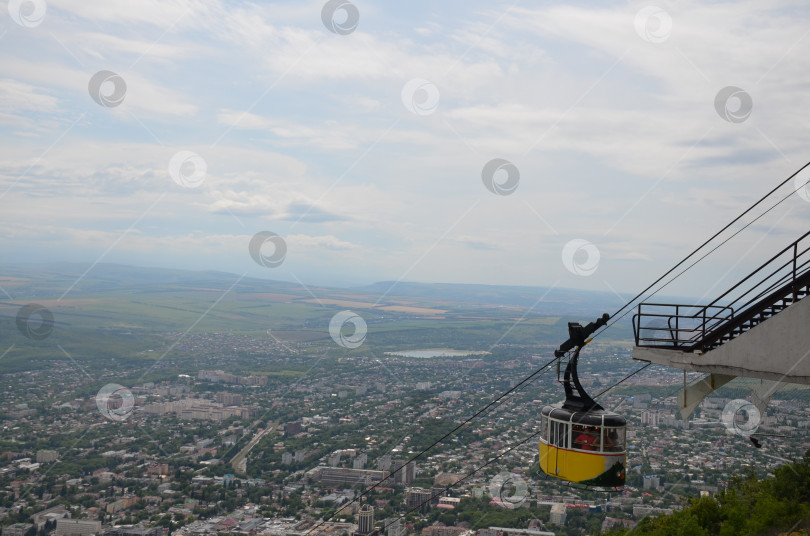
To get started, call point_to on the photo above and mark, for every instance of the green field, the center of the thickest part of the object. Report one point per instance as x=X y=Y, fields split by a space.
x=136 y=314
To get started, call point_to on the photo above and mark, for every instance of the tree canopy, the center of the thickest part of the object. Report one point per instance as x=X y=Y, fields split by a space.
x=748 y=507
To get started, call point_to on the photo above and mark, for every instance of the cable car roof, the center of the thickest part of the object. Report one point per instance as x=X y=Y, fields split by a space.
x=599 y=417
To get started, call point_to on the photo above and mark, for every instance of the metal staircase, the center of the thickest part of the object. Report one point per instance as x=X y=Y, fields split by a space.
x=773 y=287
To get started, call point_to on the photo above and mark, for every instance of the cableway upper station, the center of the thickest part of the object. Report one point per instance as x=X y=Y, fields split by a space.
x=758 y=328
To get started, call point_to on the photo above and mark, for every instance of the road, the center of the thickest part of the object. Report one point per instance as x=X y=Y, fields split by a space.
x=237 y=461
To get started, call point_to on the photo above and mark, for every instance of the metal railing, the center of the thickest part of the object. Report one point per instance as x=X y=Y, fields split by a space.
x=677 y=325
x=784 y=279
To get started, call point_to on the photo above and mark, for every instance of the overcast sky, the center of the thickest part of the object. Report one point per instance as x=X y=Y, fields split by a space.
x=170 y=132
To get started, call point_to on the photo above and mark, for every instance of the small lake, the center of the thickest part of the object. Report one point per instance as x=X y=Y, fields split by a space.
x=436 y=352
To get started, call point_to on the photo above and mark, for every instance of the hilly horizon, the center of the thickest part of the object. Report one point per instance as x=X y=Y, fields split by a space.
x=74 y=277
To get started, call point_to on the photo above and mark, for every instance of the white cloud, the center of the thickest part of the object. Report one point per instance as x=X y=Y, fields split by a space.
x=101 y=46
x=142 y=95
x=160 y=13
x=89 y=168
x=16 y=96
x=303 y=131
x=244 y=120
x=317 y=242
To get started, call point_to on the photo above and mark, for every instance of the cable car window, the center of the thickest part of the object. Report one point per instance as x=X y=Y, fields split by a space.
x=562 y=435
x=614 y=439
x=543 y=427
x=587 y=438
x=552 y=436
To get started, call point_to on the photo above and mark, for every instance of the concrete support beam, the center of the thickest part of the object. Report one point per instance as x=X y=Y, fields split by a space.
x=691 y=397
x=762 y=393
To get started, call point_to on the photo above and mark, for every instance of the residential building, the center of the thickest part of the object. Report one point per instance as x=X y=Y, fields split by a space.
x=77 y=527
x=46 y=456
x=558 y=516
x=365 y=520
x=417 y=497
x=332 y=477
x=18 y=529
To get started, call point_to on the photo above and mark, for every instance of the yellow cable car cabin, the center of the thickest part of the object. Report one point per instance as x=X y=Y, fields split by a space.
x=579 y=440
x=583 y=447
